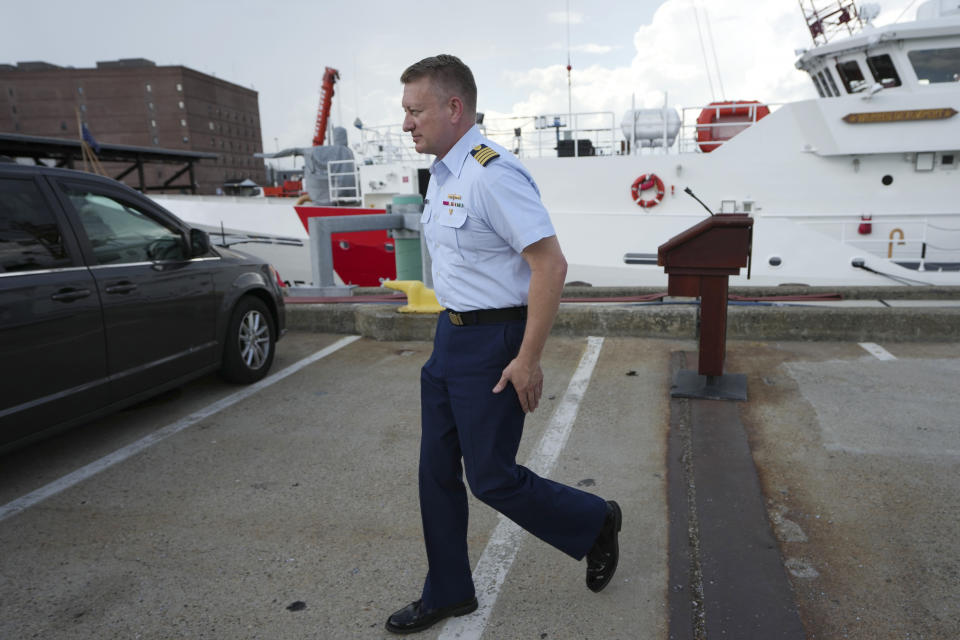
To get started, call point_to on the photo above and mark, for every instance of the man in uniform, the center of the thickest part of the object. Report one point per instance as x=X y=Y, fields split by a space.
x=499 y=271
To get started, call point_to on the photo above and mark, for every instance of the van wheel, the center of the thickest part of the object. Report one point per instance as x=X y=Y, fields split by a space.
x=251 y=336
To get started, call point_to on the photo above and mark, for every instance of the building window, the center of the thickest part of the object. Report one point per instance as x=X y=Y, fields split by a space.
x=149 y=88
x=186 y=139
x=10 y=91
x=150 y=106
x=153 y=124
x=183 y=122
x=83 y=108
x=180 y=104
x=80 y=90
x=179 y=87
x=156 y=140
x=13 y=108
x=212 y=126
x=213 y=142
x=63 y=126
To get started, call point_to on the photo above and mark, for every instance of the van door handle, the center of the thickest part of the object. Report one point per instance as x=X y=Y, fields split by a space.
x=69 y=295
x=123 y=287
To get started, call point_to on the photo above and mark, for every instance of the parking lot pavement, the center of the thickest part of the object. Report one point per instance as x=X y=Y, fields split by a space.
x=293 y=513
x=859 y=458
x=303 y=493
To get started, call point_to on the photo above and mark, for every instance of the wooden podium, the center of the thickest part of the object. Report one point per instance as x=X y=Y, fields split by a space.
x=699 y=263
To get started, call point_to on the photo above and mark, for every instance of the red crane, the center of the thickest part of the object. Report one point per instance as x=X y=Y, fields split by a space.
x=330 y=76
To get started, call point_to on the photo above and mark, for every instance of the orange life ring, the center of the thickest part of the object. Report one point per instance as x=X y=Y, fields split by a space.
x=720 y=121
x=641 y=184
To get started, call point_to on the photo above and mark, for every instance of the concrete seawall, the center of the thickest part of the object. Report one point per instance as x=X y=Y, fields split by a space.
x=902 y=314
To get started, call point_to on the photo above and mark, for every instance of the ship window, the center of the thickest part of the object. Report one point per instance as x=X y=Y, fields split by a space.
x=828 y=87
x=936 y=65
x=851 y=76
x=883 y=70
x=816 y=83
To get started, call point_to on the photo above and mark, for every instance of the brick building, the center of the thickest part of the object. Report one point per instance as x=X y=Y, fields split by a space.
x=135 y=102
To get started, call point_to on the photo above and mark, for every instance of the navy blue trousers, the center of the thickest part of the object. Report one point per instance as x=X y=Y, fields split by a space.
x=463 y=419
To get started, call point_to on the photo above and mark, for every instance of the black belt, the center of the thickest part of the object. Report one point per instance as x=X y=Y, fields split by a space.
x=487 y=316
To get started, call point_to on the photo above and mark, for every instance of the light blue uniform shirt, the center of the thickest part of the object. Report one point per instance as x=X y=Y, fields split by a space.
x=476 y=221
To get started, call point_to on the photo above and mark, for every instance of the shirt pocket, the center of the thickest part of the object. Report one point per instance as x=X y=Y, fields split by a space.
x=477 y=239
x=448 y=229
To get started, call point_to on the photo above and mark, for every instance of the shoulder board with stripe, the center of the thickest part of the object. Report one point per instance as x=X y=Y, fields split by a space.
x=483 y=154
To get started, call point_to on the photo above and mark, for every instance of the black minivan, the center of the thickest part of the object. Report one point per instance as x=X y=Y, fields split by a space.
x=106 y=299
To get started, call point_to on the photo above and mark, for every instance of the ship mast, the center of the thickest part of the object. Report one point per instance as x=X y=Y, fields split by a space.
x=830 y=18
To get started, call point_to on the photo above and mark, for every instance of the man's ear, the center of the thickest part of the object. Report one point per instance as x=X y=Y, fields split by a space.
x=455 y=106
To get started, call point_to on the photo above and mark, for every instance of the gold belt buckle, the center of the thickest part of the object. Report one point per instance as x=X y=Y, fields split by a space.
x=455 y=318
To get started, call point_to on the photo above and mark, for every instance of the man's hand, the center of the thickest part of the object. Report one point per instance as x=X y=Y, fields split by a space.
x=526 y=379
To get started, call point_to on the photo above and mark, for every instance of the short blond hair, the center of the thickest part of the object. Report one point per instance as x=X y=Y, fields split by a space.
x=450 y=74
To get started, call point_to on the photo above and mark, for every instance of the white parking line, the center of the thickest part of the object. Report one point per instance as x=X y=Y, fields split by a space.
x=81 y=474
x=878 y=351
x=502 y=548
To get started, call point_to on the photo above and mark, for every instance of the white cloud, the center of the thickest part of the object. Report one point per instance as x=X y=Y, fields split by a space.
x=593 y=48
x=754 y=45
x=560 y=17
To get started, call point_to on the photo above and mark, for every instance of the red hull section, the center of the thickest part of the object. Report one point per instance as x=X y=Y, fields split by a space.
x=363 y=258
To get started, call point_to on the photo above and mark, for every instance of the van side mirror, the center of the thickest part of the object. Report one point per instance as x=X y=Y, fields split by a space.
x=199 y=243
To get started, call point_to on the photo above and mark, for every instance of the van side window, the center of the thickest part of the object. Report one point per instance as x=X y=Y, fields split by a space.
x=121 y=233
x=883 y=70
x=30 y=238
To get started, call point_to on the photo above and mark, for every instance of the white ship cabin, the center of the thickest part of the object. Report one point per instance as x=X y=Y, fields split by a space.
x=911 y=57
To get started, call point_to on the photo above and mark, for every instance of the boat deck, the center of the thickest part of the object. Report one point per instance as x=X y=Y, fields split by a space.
x=289 y=510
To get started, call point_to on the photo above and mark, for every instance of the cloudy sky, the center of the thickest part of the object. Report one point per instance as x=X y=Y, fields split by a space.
x=620 y=50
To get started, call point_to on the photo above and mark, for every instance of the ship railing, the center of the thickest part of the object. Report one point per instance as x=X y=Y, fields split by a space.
x=343 y=181
x=592 y=133
x=386 y=144
x=589 y=133
x=526 y=136
x=926 y=240
x=688 y=139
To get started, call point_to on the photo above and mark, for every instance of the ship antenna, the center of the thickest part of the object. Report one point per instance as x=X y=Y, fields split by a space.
x=569 y=81
x=905 y=11
x=713 y=47
x=690 y=193
x=703 y=50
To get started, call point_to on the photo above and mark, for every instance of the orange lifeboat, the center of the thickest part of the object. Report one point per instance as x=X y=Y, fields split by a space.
x=720 y=121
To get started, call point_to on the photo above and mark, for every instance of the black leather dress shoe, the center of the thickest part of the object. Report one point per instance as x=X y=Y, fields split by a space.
x=413 y=618
x=602 y=558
